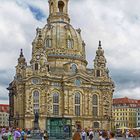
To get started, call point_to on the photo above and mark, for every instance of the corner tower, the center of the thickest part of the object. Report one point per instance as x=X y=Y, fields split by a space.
x=58 y=11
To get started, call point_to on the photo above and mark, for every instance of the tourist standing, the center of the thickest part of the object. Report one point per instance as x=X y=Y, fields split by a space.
x=76 y=136
x=83 y=135
x=5 y=134
x=10 y=136
x=127 y=134
x=90 y=134
x=45 y=135
x=112 y=136
x=23 y=135
x=17 y=134
x=104 y=136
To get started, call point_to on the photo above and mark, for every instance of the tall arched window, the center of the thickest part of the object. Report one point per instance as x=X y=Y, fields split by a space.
x=36 y=101
x=95 y=105
x=77 y=104
x=56 y=104
x=98 y=73
x=74 y=68
x=36 y=66
x=61 y=6
x=48 y=42
x=70 y=43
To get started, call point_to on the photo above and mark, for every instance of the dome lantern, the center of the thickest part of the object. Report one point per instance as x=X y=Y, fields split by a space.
x=58 y=11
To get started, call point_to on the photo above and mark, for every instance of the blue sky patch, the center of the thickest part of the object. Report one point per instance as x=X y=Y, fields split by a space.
x=38 y=14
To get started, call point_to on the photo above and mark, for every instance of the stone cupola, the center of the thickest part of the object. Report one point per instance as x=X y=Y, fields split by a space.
x=58 y=11
x=21 y=59
x=100 y=61
x=100 y=69
x=21 y=66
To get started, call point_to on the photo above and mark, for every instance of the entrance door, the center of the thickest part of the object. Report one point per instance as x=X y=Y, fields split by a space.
x=59 y=127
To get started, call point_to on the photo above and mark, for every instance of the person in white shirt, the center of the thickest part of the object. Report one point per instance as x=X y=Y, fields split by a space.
x=127 y=134
x=83 y=135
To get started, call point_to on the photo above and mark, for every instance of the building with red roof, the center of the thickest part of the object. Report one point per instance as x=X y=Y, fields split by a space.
x=125 y=112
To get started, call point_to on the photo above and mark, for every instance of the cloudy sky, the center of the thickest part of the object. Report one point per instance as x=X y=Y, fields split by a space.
x=115 y=22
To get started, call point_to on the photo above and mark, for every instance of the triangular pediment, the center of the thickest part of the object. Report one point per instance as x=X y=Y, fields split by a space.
x=83 y=78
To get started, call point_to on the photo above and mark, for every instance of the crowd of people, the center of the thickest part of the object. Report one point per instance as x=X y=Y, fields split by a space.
x=22 y=134
x=132 y=134
x=19 y=134
x=91 y=135
x=129 y=134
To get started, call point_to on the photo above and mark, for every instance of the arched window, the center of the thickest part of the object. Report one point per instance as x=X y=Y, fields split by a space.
x=77 y=104
x=98 y=73
x=36 y=66
x=56 y=98
x=56 y=104
x=95 y=105
x=74 y=68
x=48 y=42
x=36 y=101
x=61 y=6
x=95 y=100
x=70 y=43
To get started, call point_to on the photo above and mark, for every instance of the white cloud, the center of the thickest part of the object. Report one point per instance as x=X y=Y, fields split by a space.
x=131 y=93
x=116 y=23
x=3 y=93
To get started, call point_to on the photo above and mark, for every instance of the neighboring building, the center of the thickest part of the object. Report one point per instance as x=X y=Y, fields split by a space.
x=125 y=112
x=57 y=84
x=4 y=115
x=138 y=114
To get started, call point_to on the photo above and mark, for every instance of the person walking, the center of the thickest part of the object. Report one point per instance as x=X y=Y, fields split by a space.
x=17 y=134
x=83 y=135
x=127 y=134
x=112 y=136
x=104 y=136
x=5 y=134
x=23 y=135
x=76 y=136
x=90 y=134
x=46 y=135
x=10 y=136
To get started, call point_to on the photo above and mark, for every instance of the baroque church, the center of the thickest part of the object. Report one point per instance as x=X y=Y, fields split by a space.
x=57 y=83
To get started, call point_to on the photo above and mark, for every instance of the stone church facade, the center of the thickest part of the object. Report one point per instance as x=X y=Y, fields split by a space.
x=57 y=83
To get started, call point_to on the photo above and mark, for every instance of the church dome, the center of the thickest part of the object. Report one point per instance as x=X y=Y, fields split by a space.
x=62 y=40
x=59 y=39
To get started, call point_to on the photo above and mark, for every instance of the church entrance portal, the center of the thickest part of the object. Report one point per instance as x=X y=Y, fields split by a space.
x=59 y=128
